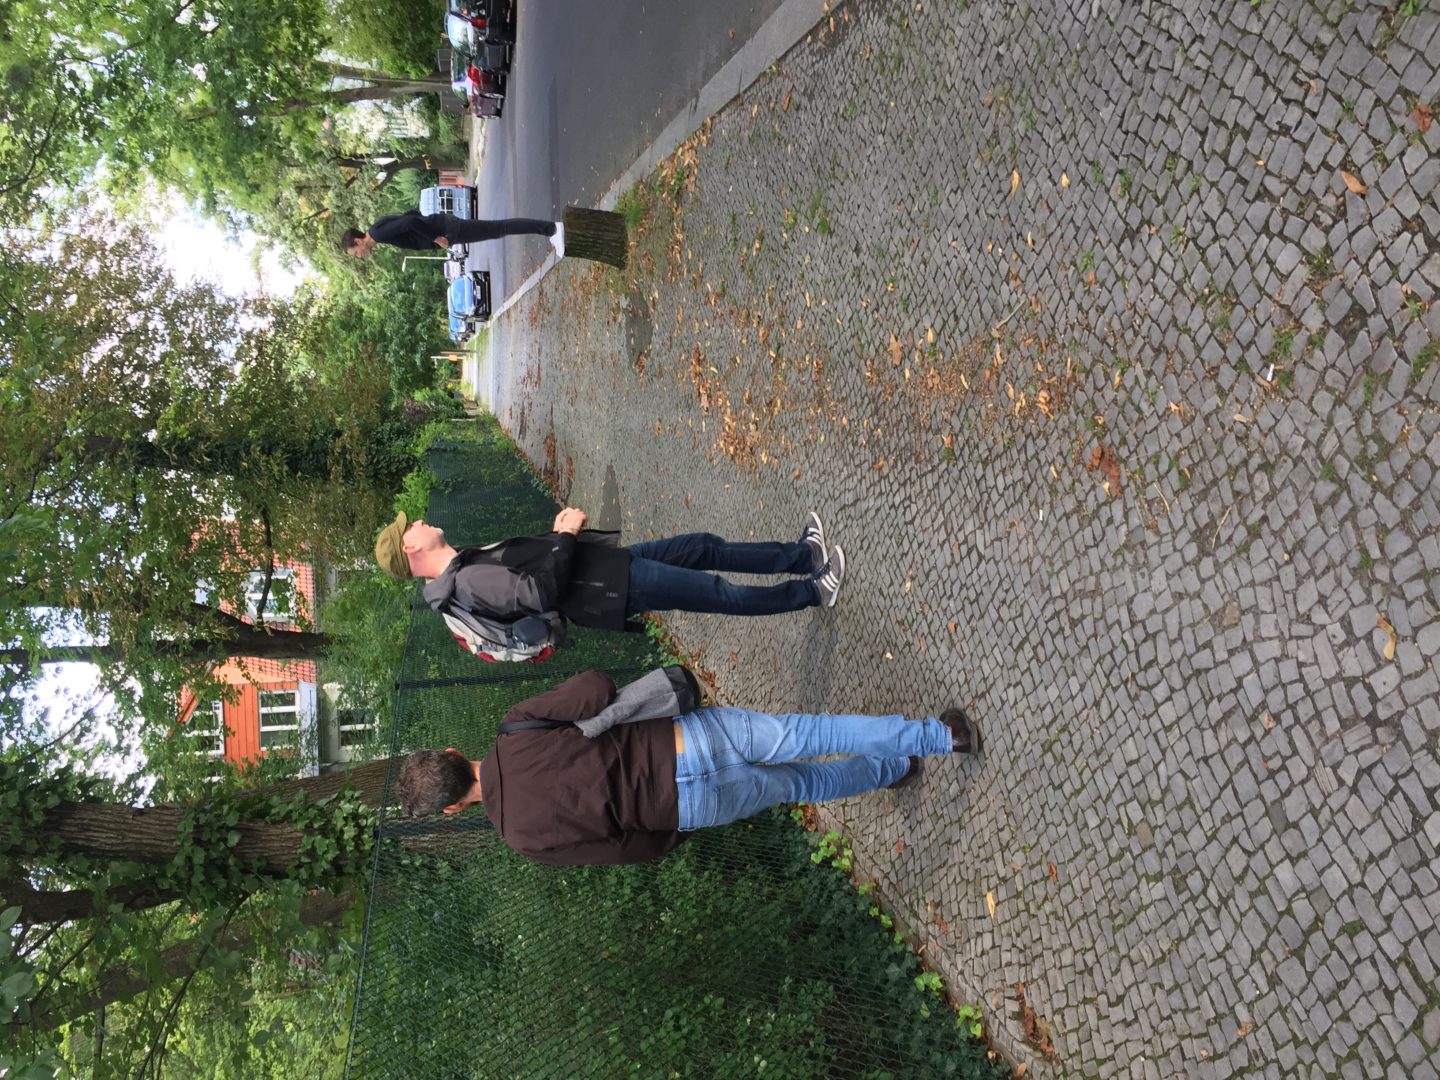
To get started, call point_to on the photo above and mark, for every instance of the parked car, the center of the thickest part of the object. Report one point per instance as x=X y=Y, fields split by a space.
x=448 y=199
x=487 y=47
x=486 y=20
x=470 y=83
x=469 y=301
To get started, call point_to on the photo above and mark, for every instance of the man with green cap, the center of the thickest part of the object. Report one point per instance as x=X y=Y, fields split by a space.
x=511 y=600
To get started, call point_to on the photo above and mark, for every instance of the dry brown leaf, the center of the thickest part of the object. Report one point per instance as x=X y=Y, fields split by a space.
x=1353 y=182
x=987 y=100
x=1014 y=182
x=990 y=903
x=899 y=845
x=1392 y=638
x=1423 y=115
x=1245 y=1029
x=785 y=104
x=952 y=626
x=1064 y=180
x=897 y=351
x=1054 y=874
x=1021 y=1069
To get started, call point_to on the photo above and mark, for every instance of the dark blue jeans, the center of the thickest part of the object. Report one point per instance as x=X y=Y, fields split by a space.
x=669 y=575
x=474 y=230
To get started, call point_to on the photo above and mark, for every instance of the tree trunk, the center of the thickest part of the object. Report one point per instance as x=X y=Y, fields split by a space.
x=42 y=906
x=367 y=779
x=114 y=832
x=38 y=906
x=255 y=642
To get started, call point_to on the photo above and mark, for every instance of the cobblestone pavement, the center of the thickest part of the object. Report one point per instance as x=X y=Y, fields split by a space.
x=1122 y=397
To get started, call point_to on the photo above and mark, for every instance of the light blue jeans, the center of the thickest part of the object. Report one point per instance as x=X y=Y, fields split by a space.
x=737 y=762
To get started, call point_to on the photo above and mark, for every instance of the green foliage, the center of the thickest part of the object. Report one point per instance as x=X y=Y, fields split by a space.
x=635 y=204
x=19 y=987
x=397 y=36
x=158 y=90
x=114 y=488
x=971 y=1019
x=1423 y=358
x=382 y=311
x=368 y=615
x=930 y=982
x=834 y=849
x=733 y=957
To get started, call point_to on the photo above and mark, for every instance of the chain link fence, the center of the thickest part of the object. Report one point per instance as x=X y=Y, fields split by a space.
x=735 y=956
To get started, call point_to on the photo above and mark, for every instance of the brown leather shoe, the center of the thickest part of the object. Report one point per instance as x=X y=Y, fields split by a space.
x=964 y=735
x=908 y=777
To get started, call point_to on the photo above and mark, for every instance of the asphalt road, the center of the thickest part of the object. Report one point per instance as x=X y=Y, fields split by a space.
x=592 y=84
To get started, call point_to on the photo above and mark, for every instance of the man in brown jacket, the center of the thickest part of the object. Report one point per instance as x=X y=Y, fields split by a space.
x=564 y=785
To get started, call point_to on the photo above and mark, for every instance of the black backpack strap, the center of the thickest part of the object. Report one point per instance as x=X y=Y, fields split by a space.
x=532 y=725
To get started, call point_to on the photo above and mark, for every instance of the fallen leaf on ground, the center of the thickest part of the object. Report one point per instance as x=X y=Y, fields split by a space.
x=990 y=903
x=897 y=351
x=1064 y=180
x=952 y=626
x=1022 y=1068
x=1423 y=115
x=1245 y=1029
x=785 y=105
x=1054 y=874
x=1353 y=182
x=899 y=845
x=1392 y=638
x=987 y=99
x=1014 y=181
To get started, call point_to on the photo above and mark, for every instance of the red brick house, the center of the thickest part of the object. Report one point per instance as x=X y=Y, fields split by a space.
x=274 y=701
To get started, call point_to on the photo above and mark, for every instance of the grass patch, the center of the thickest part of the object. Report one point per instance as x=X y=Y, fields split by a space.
x=636 y=204
x=1423 y=359
x=1320 y=264
x=1373 y=379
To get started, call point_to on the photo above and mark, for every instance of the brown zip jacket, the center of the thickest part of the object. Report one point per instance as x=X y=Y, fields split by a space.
x=558 y=797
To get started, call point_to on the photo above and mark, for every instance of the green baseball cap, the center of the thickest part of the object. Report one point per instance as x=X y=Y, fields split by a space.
x=390 y=551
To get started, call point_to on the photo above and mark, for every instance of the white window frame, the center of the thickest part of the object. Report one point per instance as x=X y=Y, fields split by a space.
x=366 y=727
x=255 y=585
x=196 y=729
x=289 y=713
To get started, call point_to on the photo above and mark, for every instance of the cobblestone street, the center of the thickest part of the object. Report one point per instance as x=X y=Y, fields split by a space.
x=1103 y=337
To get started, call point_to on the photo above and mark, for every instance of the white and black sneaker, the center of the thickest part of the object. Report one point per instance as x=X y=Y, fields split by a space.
x=814 y=535
x=557 y=239
x=830 y=576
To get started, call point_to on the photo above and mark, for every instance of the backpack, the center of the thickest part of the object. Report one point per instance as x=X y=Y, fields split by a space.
x=494 y=641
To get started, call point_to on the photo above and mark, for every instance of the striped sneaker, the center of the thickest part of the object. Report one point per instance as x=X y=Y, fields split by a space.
x=814 y=535
x=830 y=576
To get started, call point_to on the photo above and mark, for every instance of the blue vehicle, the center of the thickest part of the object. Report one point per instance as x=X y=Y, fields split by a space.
x=469 y=302
x=448 y=199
